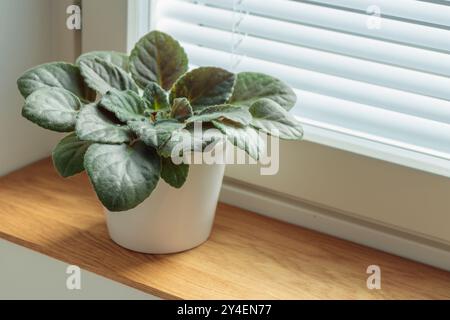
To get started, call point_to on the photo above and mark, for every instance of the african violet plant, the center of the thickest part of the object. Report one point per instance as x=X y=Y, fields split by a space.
x=124 y=113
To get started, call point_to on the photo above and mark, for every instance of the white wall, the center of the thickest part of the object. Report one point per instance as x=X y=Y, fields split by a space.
x=66 y=44
x=105 y=25
x=27 y=28
x=47 y=278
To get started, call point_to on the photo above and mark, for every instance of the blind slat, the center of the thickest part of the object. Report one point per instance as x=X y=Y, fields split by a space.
x=391 y=84
x=427 y=12
x=281 y=31
x=342 y=112
x=390 y=99
x=345 y=21
x=320 y=61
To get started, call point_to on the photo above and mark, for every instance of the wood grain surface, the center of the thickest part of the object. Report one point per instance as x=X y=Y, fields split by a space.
x=247 y=257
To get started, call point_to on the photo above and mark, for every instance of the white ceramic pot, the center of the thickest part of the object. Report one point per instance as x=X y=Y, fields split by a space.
x=171 y=220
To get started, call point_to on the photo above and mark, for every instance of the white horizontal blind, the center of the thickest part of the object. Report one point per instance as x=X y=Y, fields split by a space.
x=385 y=80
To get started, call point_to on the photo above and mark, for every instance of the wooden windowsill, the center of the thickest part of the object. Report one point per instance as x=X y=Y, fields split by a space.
x=247 y=257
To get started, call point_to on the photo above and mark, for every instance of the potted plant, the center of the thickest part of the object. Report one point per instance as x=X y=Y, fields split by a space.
x=127 y=117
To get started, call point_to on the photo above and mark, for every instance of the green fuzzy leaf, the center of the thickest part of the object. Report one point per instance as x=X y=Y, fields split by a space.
x=252 y=86
x=154 y=134
x=157 y=57
x=94 y=125
x=181 y=109
x=245 y=138
x=122 y=176
x=156 y=96
x=126 y=105
x=68 y=155
x=52 y=108
x=238 y=115
x=118 y=59
x=270 y=117
x=186 y=140
x=54 y=75
x=204 y=87
x=104 y=76
x=175 y=175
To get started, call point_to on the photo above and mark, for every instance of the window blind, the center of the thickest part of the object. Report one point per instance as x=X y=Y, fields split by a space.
x=378 y=71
